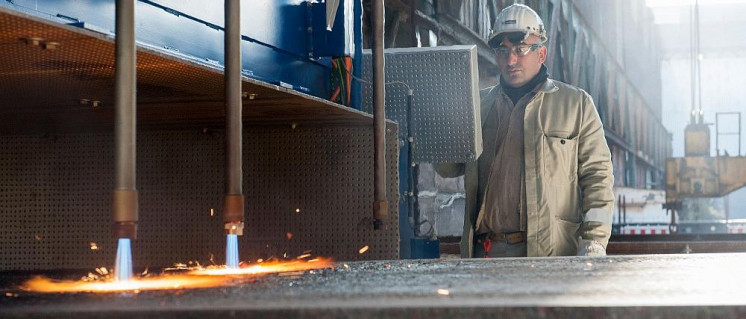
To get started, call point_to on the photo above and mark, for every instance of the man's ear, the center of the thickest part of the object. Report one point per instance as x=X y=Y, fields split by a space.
x=542 y=53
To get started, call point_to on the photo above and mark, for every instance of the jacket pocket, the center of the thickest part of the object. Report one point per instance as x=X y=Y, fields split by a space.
x=564 y=237
x=560 y=158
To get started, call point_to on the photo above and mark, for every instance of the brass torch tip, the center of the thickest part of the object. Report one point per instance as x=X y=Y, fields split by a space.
x=234 y=228
x=124 y=230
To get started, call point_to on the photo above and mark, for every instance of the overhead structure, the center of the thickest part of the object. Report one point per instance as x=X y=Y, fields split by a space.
x=699 y=174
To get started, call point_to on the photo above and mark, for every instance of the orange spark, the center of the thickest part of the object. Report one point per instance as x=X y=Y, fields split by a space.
x=267 y=267
x=46 y=285
x=364 y=249
x=196 y=277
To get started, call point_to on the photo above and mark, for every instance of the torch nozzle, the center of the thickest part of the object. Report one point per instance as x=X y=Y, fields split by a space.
x=233 y=206
x=377 y=223
x=234 y=228
x=125 y=213
x=380 y=213
x=124 y=230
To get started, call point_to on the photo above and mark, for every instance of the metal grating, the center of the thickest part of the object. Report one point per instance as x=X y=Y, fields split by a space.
x=446 y=96
x=55 y=194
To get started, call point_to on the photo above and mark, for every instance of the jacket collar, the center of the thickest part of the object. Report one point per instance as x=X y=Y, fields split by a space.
x=549 y=87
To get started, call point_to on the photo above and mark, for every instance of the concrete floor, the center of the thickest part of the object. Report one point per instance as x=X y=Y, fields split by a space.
x=656 y=286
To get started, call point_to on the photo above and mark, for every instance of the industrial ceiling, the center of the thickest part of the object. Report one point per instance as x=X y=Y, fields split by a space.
x=58 y=78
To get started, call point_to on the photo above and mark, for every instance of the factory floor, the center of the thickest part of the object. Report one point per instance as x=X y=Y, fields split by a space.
x=650 y=286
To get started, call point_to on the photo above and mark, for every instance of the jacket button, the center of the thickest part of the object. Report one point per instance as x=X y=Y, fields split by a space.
x=562 y=141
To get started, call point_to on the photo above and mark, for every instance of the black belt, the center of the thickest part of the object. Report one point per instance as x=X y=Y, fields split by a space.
x=510 y=238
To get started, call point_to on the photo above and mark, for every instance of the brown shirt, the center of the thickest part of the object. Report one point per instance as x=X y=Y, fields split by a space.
x=505 y=194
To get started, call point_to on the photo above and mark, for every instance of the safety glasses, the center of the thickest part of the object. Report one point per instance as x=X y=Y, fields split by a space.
x=503 y=52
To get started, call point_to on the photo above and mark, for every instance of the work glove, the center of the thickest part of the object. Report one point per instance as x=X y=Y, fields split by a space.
x=591 y=248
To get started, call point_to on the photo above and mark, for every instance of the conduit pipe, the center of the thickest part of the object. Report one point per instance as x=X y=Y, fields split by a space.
x=233 y=205
x=125 y=207
x=380 y=205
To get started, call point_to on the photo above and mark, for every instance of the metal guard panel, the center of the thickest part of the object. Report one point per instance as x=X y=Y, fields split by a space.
x=446 y=120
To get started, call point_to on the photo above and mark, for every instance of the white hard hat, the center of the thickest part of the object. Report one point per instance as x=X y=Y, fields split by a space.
x=518 y=18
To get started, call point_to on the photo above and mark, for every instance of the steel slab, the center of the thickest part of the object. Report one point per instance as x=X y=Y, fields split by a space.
x=655 y=286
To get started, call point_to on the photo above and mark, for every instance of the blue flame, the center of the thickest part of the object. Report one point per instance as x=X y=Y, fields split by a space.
x=231 y=252
x=123 y=267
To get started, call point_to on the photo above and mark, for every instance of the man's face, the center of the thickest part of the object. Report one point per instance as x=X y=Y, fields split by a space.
x=518 y=70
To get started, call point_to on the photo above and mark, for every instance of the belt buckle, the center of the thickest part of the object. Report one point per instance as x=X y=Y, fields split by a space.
x=514 y=238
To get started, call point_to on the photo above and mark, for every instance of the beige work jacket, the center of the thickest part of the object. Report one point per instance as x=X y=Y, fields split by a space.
x=568 y=174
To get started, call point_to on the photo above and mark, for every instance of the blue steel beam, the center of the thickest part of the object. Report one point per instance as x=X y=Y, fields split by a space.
x=276 y=34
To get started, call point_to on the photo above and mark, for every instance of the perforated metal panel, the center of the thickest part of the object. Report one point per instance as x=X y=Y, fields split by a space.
x=55 y=197
x=446 y=99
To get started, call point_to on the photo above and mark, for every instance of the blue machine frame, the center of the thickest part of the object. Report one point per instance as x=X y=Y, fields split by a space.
x=285 y=42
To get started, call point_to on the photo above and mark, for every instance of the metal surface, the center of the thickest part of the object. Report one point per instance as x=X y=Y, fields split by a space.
x=657 y=286
x=311 y=189
x=380 y=209
x=676 y=243
x=697 y=139
x=446 y=100
x=71 y=88
x=700 y=176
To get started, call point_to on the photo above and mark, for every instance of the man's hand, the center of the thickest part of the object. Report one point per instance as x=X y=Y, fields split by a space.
x=591 y=248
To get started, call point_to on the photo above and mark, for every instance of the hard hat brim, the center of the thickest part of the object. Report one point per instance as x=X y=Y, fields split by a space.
x=497 y=38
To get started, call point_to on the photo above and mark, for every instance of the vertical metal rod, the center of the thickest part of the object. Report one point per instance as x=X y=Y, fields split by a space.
x=357 y=62
x=413 y=5
x=699 y=66
x=693 y=64
x=624 y=208
x=380 y=206
x=619 y=211
x=412 y=177
x=717 y=134
x=234 y=201
x=125 y=207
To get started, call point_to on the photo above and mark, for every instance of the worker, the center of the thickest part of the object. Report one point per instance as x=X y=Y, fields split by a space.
x=543 y=183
